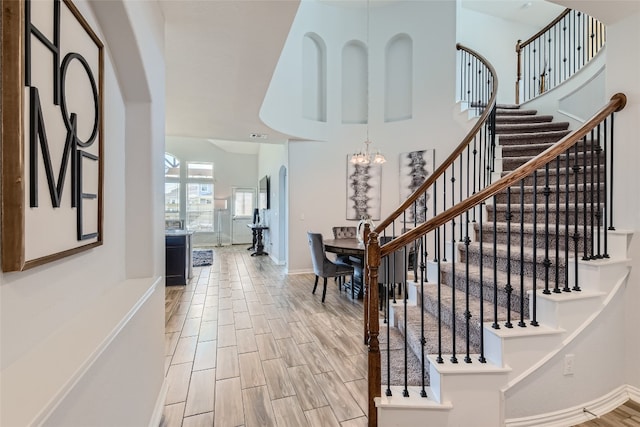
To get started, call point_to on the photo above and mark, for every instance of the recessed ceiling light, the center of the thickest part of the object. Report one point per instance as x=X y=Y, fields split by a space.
x=258 y=135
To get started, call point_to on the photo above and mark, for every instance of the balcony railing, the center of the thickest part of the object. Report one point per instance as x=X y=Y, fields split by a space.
x=556 y=52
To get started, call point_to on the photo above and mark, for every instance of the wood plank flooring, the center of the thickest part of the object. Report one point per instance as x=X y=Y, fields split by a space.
x=247 y=345
x=627 y=415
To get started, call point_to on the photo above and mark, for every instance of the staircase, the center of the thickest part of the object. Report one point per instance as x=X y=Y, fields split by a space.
x=494 y=268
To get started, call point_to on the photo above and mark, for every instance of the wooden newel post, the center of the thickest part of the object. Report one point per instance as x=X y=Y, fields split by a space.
x=372 y=263
x=518 y=72
x=365 y=284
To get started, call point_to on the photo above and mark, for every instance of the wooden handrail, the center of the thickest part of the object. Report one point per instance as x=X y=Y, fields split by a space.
x=454 y=155
x=544 y=30
x=617 y=103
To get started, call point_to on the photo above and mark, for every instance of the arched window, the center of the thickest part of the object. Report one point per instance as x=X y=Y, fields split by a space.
x=355 y=80
x=399 y=79
x=314 y=78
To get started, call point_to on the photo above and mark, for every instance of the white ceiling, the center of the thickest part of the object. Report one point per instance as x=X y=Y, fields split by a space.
x=221 y=54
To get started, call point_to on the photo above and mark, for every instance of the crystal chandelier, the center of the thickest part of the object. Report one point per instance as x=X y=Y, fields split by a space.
x=366 y=157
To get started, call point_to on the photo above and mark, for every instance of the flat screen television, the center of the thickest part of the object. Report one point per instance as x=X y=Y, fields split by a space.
x=264 y=193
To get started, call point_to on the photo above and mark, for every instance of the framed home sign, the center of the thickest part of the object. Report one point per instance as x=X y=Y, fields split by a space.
x=52 y=136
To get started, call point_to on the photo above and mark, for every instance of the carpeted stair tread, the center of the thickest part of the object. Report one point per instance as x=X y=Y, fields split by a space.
x=396 y=375
x=513 y=150
x=562 y=173
x=507 y=106
x=488 y=278
x=512 y=162
x=447 y=296
x=513 y=138
x=515 y=112
x=505 y=118
x=528 y=231
x=501 y=251
x=530 y=127
x=529 y=207
x=413 y=315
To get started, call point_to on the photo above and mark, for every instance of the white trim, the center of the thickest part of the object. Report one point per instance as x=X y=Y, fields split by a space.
x=573 y=335
x=577 y=414
x=158 y=410
x=63 y=370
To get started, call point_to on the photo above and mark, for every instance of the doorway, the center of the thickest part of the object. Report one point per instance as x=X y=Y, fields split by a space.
x=243 y=201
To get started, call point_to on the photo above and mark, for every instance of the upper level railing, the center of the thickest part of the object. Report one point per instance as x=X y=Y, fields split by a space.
x=556 y=53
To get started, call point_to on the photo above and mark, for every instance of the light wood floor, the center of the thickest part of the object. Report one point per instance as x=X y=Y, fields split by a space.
x=627 y=415
x=247 y=345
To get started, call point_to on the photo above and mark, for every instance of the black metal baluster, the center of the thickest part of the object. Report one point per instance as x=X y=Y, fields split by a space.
x=587 y=238
x=605 y=190
x=467 y=312
x=534 y=294
x=386 y=300
x=592 y=211
x=453 y=358
x=439 y=309
x=566 y=222
x=522 y=293
x=405 y=295
x=461 y=194
x=611 y=227
x=495 y=324
x=547 y=261
x=481 y=359
x=423 y=340
x=556 y=287
x=436 y=252
x=475 y=152
x=444 y=208
x=598 y=213
x=508 y=288
x=576 y=230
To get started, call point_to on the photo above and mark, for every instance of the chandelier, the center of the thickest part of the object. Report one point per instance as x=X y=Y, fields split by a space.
x=365 y=156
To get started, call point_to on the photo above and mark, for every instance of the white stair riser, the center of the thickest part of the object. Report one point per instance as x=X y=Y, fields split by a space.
x=518 y=352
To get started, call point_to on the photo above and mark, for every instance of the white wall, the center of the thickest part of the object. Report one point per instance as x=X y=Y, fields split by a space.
x=495 y=39
x=623 y=63
x=317 y=168
x=271 y=158
x=42 y=309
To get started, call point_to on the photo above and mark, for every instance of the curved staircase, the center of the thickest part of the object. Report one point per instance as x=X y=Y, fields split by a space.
x=495 y=262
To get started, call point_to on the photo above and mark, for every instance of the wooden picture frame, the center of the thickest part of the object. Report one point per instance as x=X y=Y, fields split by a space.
x=52 y=133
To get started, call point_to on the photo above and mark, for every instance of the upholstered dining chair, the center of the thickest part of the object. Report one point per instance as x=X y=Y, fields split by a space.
x=344 y=232
x=322 y=266
x=392 y=272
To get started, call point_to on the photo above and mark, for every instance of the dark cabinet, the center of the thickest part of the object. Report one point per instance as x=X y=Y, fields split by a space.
x=178 y=257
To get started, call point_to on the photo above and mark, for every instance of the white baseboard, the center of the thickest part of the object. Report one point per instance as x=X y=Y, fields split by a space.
x=158 y=410
x=577 y=414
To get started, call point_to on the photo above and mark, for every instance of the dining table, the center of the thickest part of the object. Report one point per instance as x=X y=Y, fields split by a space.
x=355 y=250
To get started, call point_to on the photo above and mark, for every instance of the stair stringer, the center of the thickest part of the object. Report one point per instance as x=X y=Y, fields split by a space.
x=596 y=374
x=458 y=393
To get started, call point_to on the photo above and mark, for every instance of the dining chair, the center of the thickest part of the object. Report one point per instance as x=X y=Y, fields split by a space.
x=322 y=266
x=392 y=272
x=345 y=232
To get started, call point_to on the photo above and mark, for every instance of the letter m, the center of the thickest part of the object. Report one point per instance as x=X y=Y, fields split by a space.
x=37 y=132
